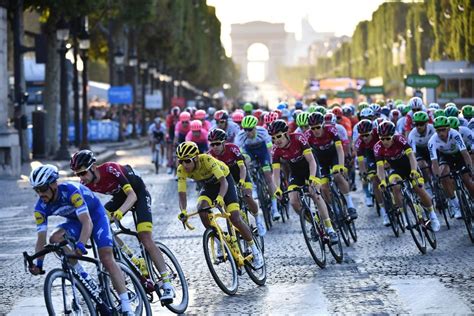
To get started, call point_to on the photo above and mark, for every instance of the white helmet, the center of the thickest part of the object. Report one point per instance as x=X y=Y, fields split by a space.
x=416 y=103
x=434 y=106
x=43 y=175
x=157 y=120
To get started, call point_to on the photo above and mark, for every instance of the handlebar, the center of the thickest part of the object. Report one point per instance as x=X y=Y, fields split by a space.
x=55 y=247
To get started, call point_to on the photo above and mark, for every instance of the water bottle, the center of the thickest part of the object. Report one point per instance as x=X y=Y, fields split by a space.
x=90 y=282
x=141 y=264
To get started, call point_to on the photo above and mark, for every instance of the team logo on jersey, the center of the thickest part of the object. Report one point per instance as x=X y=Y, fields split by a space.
x=113 y=171
x=39 y=218
x=76 y=200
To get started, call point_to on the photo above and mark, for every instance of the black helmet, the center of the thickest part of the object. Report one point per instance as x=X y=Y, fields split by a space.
x=365 y=126
x=82 y=160
x=217 y=134
x=315 y=118
x=277 y=126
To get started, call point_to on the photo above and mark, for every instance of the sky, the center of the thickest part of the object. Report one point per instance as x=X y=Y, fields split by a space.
x=339 y=16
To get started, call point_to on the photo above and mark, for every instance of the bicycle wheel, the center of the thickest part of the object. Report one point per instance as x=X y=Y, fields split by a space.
x=466 y=208
x=339 y=220
x=439 y=201
x=389 y=208
x=258 y=276
x=223 y=271
x=264 y=206
x=177 y=278
x=349 y=223
x=416 y=230
x=136 y=293
x=313 y=237
x=429 y=233
x=336 y=250
x=62 y=298
x=157 y=160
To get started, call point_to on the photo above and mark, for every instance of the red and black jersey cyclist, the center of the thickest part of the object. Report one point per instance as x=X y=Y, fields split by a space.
x=171 y=120
x=328 y=150
x=231 y=155
x=364 y=147
x=128 y=193
x=294 y=148
x=395 y=150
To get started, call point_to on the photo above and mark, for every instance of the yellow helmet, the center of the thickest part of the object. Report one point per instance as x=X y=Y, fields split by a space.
x=187 y=150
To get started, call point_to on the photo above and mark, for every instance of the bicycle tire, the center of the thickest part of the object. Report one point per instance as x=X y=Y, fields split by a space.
x=229 y=289
x=262 y=201
x=465 y=207
x=178 y=280
x=389 y=209
x=401 y=222
x=416 y=230
x=52 y=303
x=339 y=219
x=336 y=250
x=316 y=248
x=157 y=161
x=439 y=201
x=257 y=278
x=430 y=235
x=350 y=223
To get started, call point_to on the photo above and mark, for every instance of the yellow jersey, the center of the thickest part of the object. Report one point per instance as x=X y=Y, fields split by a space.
x=208 y=170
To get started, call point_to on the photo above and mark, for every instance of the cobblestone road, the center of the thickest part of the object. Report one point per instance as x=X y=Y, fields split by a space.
x=380 y=273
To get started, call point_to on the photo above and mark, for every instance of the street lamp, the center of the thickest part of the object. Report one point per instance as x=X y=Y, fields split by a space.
x=133 y=62
x=152 y=70
x=144 y=72
x=84 y=45
x=119 y=59
x=62 y=35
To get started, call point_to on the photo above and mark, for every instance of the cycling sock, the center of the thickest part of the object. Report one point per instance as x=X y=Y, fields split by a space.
x=327 y=223
x=125 y=301
x=382 y=211
x=366 y=190
x=349 y=202
x=165 y=276
x=254 y=248
x=274 y=203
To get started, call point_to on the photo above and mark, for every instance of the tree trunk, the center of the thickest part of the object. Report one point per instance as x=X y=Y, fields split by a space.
x=51 y=91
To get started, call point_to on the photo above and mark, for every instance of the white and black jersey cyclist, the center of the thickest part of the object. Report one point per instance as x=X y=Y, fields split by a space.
x=418 y=140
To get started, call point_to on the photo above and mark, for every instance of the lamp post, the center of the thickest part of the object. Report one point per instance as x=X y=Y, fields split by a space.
x=133 y=62
x=152 y=71
x=144 y=73
x=76 y=28
x=118 y=60
x=84 y=45
x=62 y=35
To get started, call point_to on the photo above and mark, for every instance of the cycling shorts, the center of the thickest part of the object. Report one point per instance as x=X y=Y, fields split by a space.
x=454 y=161
x=235 y=172
x=325 y=164
x=210 y=191
x=298 y=176
x=261 y=155
x=422 y=153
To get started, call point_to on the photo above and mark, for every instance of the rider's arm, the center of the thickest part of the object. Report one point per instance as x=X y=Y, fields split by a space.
x=223 y=185
x=380 y=170
x=276 y=177
x=181 y=174
x=308 y=155
x=340 y=152
x=183 y=203
x=361 y=163
x=432 y=149
x=86 y=229
x=242 y=169
x=40 y=242
x=130 y=200
x=411 y=158
x=467 y=158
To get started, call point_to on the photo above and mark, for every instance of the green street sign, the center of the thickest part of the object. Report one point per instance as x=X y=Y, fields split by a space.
x=422 y=81
x=449 y=95
x=367 y=90
x=345 y=94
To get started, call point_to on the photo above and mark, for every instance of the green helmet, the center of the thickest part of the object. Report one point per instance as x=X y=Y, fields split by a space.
x=441 y=121
x=400 y=107
x=321 y=109
x=438 y=112
x=467 y=111
x=451 y=110
x=362 y=105
x=248 y=107
x=454 y=122
x=249 y=121
x=302 y=119
x=406 y=109
x=420 y=117
x=449 y=104
x=312 y=108
x=398 y=102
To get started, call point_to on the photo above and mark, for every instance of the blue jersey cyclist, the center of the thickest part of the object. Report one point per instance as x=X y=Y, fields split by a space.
x=256 y=142
x=86 y=218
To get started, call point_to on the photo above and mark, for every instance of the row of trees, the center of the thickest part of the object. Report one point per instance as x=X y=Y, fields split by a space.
x=399 y=39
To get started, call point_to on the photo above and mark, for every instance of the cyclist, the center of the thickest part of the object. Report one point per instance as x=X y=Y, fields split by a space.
x=255 y=142
x=201 y=115
x=395 y=150
x=198 y=135
x=415 y=104
x=224 y=123
x=451 y=110
x=292 y=126
x=86 y=218
x=230 y=154
x=171 y=121
x=182 y=127
x=394 y=116
x=129 y=193
x=328 y=150
x=237 y=117
x=248 y=108
x=157 y=133
x=218 y=189
x=294 y=148
x=342 y=120
x=302 y=122
x=448 y=152
x=466 y=133
x=467 y=112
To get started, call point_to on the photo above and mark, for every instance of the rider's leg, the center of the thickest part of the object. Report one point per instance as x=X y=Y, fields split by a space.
x=295 y=201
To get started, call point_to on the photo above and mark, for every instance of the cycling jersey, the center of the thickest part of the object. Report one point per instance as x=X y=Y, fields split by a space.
x=365 y=150
x=467 y=136
x=409 y=120
x=418 y=141
x=206 y=125
x=347 y=125
x=292 y=127
x=453 y=144
x=200 y=140
x=470 y=125
x=171 y=121
x=324 y=148
x=157 y=133
x=401 y=125
x=75 y=199
x=463 y=121
x=233 y=158
x=256 y=147
x=208 y=170
x=232 y=129
x=181 y=131
x=395 y=155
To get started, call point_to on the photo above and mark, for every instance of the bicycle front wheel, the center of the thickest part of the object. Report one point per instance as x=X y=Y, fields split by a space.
x=339 y=219
x=466 y=209
x=222 y=267
x=416 y=230
x=64 y=298
x=258 y=276
x=313 y=237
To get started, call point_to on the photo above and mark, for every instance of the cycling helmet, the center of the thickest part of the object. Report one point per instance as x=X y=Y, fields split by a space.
x=454 y=122
x=451 y=111
x=380 y=102
x=217 y=134
x=438 y=112
x=278 y=112
x=415 y=103
x=467 y=111
x=397 y=102
x=43 y=175
x=375 y=108
x=221 y=115
x=157 y=120
x=191 y=110
x=285 y=113
x=321 y=109
x=257 y=113
x=334 y=105
x=315 y=118
x=248 y=107
x=365 y=126
x=82 y=160
x=196 y=126
x=281 y=106
x=184 y=117
x=362 y=105
x=237 y=117
x=420 y=117
x=187 y=150
x=295 y=114
x=249 y=121
x=312 y=108
x=210 y=111
x=337 y=111
x=330 y=118
x=270 y=117
x=434 y=106
x=386 y=128
x=379 y=121
x=200 y=115
x=175 y=110
x=449 y=104
x=366 y=113
x=347 y=110
x=298 y=105
x=278 y=126
x=394 y=113
x=385 y=110
x=406 y=109
x=441 y=121
x=302 y=119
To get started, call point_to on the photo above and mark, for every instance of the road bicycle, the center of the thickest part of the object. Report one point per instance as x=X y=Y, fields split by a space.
x=226 y=252
x=393 y=212
x=314 y=232
x=440 y=201
x=157 y=157
x=264 y=198
x=284 y=203
x=67 y=292
x=152 y=282
x=245 y=213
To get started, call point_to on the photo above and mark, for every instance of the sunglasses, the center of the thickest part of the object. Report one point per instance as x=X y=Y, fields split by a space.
x=386 y=139
x=185 y=161
x=214 y=144
x=222 y=122
x=278 y=136
x=248 y=129
x=420 y=124
x=42 y=188
x=364 y=135
x=443 y=129
x=315 y=128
